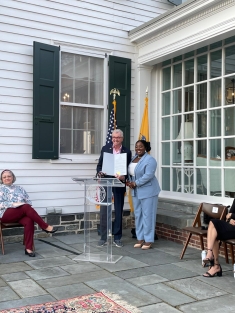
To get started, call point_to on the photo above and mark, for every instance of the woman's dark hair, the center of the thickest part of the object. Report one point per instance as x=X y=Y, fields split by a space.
x=13 y=175
x=145 y=143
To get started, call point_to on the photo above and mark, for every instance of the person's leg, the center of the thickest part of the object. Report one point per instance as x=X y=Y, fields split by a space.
x=211 y=239
x=149 y=212
x=28 y=224
x=118 y=194
x=13 y=215
x=139 y=227
x=105 y=214
x=216 y=268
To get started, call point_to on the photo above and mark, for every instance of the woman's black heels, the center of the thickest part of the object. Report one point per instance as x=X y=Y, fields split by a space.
x=207 y=260
x=31 y=254
x=219 y=273
x=50 y=231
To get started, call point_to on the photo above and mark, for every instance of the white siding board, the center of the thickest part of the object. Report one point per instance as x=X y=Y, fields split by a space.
x=100 y=24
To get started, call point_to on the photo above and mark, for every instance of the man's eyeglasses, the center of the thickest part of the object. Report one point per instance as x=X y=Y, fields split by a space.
x=116 y=137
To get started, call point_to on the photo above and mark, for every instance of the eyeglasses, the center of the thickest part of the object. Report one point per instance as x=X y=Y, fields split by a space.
x=116 y=137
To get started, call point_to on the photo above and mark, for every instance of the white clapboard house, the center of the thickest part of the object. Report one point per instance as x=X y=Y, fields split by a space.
x=60 y=59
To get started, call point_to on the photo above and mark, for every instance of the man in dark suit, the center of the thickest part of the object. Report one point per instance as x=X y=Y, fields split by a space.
x=118 y=192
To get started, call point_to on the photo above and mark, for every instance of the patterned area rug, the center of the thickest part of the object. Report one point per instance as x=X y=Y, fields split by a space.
x=101 y=302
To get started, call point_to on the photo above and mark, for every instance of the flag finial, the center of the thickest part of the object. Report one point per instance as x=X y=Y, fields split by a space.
x=115 y=92
x=147 y=90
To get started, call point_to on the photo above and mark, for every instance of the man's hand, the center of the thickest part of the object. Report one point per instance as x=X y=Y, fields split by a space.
x=120 y=177
x=101 y=174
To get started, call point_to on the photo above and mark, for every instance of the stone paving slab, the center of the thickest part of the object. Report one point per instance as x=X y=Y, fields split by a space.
x=46 y=273
x=224 y=304
x=7 y=294
x=168 y=294
x=73 y=279
x=50 y=262
x=159 y=308
x=2 y=283
x=70 y=291
x=124 y=264
x=81 y=267
x=27 y=288
x=133 y=295
x=226 y=282
x=171 y=271
x=26 y=301
x=146 y=280
x=156 y=258
x=14 y=268
x=15 y=276
x=195 y=288
x=132 y=273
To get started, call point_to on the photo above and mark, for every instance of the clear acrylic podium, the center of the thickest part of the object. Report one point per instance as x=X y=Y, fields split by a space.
x=97 y=192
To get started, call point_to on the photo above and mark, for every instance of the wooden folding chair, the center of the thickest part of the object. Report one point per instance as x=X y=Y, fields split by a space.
x=231 y=243
x=216 y=211
x=7 y=225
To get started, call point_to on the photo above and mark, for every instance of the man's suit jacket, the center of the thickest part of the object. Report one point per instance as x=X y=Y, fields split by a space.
x=109 y=149
x=144 y=177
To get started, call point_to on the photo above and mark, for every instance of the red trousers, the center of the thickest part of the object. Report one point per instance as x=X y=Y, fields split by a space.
x=27 y=216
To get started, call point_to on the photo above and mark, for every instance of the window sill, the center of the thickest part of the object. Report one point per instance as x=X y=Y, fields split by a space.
x=83 y=159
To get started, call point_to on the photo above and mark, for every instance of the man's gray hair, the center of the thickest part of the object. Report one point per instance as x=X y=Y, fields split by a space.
x=118 y=131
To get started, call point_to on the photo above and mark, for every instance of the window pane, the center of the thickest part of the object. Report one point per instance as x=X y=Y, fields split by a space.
x=215 y=123
x=166 y=84
x=229 y=90
x=81 y=91
x=81 y=67
x=229 y=183
x=216 y=62
x=189 y=99
x=215 y=182
x=66 y=116
x=202 y=68
x=177 y=76
x=65 y=141
x=177 y=152
x=177 y=101
x=201 y=190
x=201 y=152
x=201 y=124
x=230 y=60
x=166 y=103
x=67 y=65
x=176 y=127
x=215 y=93
x=96 y=93
x=229 y=152
x=166 y=153
x=177 y=180
x=166 y=179
x=189 y=72
x=66 y=90
x=202 y=96
x=229 y=121
x=96 y=69
x=79 y=118
x=166 y=128
x=215 y=152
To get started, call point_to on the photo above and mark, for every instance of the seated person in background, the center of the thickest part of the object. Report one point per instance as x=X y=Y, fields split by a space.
x=15 y=207
x=218 y=230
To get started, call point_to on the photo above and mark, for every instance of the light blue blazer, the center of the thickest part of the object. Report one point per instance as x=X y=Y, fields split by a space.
x=144 y=177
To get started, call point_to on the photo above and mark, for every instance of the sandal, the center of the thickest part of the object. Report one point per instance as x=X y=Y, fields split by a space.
x=219 y=273
x=139 y=244
x=208 y=260
x=146 y=245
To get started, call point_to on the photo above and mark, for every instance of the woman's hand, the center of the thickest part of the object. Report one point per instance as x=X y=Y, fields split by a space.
x=228 y=216
x=120 y=177
x=232 y=222
x=132 y=185
x=16 y=204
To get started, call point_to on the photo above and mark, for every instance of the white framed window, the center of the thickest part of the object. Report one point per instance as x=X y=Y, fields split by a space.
x=81 y=103
x=198 y=118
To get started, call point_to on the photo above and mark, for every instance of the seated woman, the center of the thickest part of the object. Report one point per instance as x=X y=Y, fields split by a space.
x=218 y=230
x=15 y=207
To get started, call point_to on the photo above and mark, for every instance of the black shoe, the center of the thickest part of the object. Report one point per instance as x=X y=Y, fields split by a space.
x=133 y=233
x=31 y=254
x=51 y=231
x=219 y=273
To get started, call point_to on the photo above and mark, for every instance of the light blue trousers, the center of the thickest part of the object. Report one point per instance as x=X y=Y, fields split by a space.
x=145 y=218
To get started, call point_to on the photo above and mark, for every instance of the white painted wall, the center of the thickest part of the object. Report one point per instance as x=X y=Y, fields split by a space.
x=98 y=24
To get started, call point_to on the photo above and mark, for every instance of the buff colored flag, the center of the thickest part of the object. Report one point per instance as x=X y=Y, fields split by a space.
x=144 y=135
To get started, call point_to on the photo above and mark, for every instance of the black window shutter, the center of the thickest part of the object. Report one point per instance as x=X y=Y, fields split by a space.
x=45 y=101
x=120 y=78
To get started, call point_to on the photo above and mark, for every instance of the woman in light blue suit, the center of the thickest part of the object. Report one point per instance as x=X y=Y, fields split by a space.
x=145 y=190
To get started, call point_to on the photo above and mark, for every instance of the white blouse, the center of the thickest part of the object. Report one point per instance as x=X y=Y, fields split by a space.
x=131 y=168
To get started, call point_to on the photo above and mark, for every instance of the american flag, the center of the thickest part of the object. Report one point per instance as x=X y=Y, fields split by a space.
x=111 y=128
